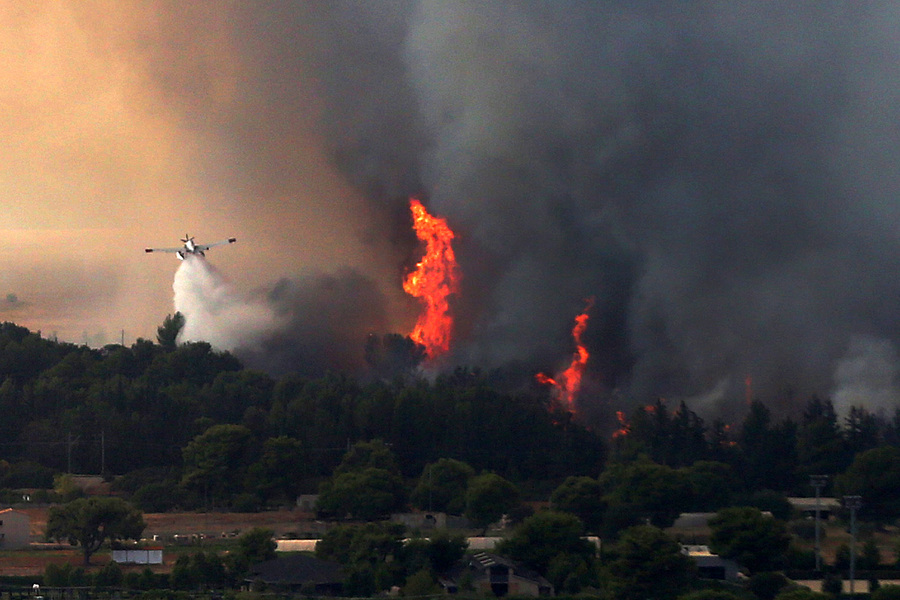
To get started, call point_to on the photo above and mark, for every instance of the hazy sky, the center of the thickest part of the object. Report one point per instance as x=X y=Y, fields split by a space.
x=721 y=177
x=127 y=125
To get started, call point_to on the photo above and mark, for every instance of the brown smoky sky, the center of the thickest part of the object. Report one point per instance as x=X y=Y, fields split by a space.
x=721 y=177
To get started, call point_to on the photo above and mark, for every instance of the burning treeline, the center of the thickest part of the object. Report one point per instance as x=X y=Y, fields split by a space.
x=436 y=278
x=567 y=384
x=274 y=331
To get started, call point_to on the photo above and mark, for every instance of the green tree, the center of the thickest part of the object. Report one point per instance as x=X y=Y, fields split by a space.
x=182 y=576
x=820 y=447
x=833 y=584
x=874 y=475
x=746 y=535
x=91 y=521
x=887 y=592
x=373 y=454
x=545 y=535
x=255 y=546
x=488 y=498
x=870 y=557
x=860 y=430
x=642 y=491
x=803 y=594
x=582 y=497
x=767 y=585
x=442 y=486
x=280 y=468
x=421 y=583
x=712 y=484
x=109 y=576
x=767 y=501
x=649 y=564
x=769 y=451
x=366 y=494
x=842 y=557
x=552 y=544
x=167 y=333
x=215 y=462
x=208 y=569
x=444 y=550
x=368 y=552
x=710 y=595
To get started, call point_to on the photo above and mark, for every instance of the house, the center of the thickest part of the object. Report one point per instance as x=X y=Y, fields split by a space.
x=295 y=545
x=711 y=566
x=298 y=573
x=138 y=556
x=15 y=529
x=496 y=575
x=691 y=527
x=482 y=543
x=807 y=506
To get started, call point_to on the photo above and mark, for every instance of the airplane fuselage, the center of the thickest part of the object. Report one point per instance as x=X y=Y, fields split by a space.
x=190 y=247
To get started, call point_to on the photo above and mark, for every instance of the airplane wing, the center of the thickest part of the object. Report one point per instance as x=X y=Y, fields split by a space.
x=164 y=249
x=205 y=247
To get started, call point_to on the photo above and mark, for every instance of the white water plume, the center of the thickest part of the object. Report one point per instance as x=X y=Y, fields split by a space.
x=215 y=312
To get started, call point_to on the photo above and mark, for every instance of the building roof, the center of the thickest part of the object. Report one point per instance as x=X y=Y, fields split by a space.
x=809 y=504
x=693 y=520
x=481 y=562
x=296 y=569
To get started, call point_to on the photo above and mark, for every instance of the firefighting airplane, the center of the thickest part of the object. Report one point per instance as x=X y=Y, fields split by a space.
x=191 y=248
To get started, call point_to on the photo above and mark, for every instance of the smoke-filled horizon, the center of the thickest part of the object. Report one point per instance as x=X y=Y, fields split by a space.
x=720 y=177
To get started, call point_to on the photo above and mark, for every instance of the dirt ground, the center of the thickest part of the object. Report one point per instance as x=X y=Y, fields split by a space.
x=192 y=530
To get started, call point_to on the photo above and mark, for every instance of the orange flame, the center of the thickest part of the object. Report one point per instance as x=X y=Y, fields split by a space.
x=543 y=379
x=624 y=426
x=728 y=443
x=567 y=384
x=435 y=278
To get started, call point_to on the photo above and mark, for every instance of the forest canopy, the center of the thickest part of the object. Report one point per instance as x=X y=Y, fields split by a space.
x=163 y=417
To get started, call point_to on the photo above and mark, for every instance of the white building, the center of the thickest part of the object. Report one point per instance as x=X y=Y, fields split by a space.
x=138 y=556
x=15 y=529
x=709 y=565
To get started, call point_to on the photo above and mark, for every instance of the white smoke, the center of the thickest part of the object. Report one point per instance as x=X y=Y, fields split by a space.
x=215 y=312
x=867 y=375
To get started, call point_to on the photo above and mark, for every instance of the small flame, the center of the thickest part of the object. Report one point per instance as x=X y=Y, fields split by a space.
x=544 y=380
x=728 y=443
x=624 y=426
x=434 y=280
x=567 y=384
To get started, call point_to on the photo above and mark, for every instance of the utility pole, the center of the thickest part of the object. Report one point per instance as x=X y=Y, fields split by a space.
x=103 y=456
x=818 y=482
x=69 y=443
x=853 y=503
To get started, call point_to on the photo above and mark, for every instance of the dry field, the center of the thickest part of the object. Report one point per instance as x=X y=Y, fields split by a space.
x=196 y=529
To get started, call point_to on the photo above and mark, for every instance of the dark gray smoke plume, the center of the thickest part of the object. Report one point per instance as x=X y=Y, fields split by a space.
x=720 y=176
